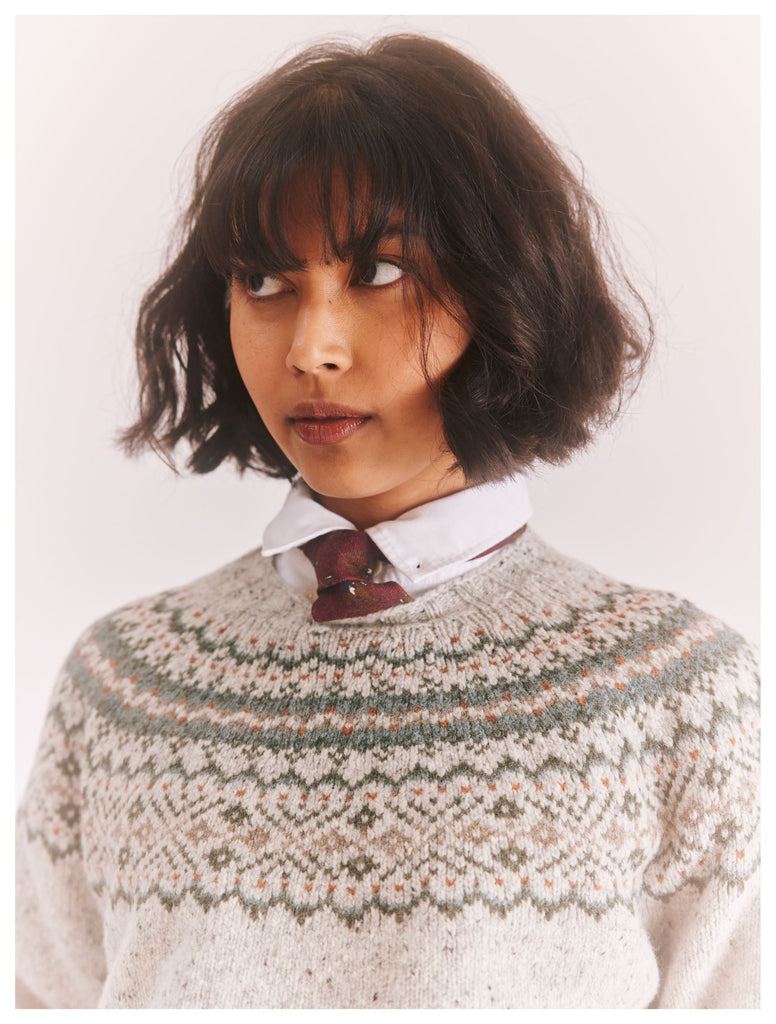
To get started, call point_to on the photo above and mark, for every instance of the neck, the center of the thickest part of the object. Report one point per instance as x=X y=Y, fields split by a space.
x=368 y=510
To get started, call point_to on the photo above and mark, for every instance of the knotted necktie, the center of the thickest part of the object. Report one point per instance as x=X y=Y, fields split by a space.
x=345 y=562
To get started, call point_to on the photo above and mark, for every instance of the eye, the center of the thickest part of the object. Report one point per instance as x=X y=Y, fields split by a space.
x=261 y=286
x=379 y=273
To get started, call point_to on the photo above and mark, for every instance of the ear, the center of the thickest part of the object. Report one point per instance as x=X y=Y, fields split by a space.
x=228 y=295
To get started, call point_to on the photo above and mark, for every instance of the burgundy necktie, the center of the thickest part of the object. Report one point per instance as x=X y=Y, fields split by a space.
x=345 y=562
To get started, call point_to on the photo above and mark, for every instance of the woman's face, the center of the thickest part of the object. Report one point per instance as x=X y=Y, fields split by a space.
x=330 y=357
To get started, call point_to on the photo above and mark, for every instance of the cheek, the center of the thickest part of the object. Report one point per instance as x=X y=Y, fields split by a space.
x=407 y=387
x=448 y=344
x=239 y=339
x=252 y=359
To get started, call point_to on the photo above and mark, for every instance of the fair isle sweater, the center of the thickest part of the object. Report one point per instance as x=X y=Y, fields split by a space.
x=533 y=786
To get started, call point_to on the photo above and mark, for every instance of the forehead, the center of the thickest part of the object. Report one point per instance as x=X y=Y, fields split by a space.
x=336 y=215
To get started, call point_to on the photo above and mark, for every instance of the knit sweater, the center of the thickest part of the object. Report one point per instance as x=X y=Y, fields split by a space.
x=533 y=786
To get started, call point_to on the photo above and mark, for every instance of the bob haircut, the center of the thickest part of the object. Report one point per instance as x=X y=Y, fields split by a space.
x=406 y=124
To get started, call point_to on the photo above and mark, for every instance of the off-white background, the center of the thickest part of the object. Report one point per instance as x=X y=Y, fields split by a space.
x=662 y=112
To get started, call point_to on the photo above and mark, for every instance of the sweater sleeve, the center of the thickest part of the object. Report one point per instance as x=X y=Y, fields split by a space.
x=701 y=890
x=59 y=948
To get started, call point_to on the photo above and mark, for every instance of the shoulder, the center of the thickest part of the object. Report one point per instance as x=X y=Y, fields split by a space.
x=655 y=641
x=150 y=633
x=244 y=583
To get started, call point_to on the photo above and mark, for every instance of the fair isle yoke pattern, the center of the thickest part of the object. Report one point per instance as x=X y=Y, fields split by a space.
x=532 y=738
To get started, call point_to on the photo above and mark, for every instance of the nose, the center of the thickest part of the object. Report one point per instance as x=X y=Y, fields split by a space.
x=321 y=342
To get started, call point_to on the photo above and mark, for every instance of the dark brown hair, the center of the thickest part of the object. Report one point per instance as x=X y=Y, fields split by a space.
x=559 y=335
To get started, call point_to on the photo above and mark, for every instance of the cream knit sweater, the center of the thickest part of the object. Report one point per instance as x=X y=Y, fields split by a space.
x=531 y=787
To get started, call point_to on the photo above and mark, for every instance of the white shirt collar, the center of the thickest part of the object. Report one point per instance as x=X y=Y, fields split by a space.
x=418 y=543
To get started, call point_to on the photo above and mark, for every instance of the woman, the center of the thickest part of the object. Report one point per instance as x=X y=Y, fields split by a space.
x=406 y=754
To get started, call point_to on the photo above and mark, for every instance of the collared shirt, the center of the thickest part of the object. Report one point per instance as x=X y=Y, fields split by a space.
x=425 y=546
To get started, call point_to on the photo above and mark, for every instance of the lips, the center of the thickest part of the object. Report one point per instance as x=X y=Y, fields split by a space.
x=326 y=422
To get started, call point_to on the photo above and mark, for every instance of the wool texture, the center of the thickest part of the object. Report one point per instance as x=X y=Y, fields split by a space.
x=533 y=786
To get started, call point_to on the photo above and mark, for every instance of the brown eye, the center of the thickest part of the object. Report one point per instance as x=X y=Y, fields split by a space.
x=379 y=273
x=261 y=286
